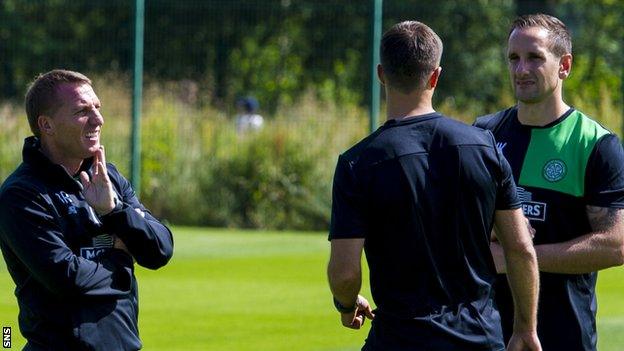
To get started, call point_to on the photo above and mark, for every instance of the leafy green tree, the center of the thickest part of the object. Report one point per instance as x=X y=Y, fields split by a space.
x=281 y=49
x=598 y=36
x=473 y=33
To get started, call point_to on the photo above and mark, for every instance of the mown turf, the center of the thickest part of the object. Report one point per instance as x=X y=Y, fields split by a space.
x=234 y=290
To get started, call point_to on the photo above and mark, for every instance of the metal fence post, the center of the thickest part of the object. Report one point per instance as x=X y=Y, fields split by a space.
x=374 y=83
x=137 y=93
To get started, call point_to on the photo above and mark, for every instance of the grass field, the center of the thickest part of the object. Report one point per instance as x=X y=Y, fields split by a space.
x=234 y=290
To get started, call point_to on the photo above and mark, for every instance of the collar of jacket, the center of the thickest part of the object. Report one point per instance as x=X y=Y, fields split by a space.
x=32 y=156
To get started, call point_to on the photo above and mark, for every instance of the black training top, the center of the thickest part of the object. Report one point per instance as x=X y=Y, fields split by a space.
x=422 y=192
x=560 y=168
x=74 y=290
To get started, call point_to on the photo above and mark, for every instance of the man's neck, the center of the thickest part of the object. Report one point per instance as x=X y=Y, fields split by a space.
x=71 y=165
x=542 y=113
x=400 y=106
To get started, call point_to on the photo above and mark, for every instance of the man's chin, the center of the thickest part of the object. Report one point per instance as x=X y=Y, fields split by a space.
x=527 y=99
x=91 y=150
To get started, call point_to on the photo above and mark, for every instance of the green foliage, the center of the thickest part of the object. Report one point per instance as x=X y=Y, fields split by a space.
x=597 y=98
x=36 y=36
x=595 y=84
x=474 y=34
x=12 y=133
x=197 y=170
x=269 y=182
x=267 y=65
x=281 y=50
x=277 y=50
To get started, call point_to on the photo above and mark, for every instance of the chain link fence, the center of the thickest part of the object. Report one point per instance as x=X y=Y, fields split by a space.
x=306 y=63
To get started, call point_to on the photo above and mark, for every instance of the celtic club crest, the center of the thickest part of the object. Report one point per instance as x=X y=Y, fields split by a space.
x=554 y=170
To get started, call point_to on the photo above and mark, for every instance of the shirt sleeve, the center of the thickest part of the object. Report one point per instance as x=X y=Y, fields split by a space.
x=604 y=175
x=28 y=229
x=348 y=204
x=149 y=241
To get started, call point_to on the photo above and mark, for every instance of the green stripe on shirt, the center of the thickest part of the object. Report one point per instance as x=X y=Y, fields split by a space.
x=557 y=156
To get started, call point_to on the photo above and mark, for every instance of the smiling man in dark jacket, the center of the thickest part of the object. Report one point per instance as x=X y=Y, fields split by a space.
x=71 y=227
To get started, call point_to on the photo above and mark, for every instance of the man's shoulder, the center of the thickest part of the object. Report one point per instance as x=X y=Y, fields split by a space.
x=456 y=133
x=589 y=127
x=413 y=138
x=354 y=152
x=492 y=120
x=23 y=177
x=23 y=185
x=112 y=170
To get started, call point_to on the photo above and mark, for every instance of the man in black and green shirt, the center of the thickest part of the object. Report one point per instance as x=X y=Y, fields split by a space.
x=570 y=176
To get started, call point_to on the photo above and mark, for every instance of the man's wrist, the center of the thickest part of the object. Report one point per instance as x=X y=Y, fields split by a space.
x=118 y=205
x=344 y=309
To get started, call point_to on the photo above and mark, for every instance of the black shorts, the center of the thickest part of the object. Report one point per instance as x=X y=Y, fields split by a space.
x=415 y=335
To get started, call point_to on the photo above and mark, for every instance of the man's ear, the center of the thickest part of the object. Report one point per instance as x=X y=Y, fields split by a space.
x=45 y=124
x=380 y=75
x=433 y=79
x=565 y=66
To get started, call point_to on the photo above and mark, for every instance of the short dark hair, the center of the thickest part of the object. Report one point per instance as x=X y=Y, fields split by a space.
x=409 y=52
x=41 y=97
x=558 y=34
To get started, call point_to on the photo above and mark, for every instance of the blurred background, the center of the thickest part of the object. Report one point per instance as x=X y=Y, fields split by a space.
x=307 y=64
x=246 y=105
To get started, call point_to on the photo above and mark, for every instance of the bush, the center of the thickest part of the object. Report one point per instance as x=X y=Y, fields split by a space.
x=270 y=182
x=196 y=170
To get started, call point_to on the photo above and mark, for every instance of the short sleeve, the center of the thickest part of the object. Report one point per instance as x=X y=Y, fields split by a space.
x=604 y=175
x=506 y=194
x=348 y=204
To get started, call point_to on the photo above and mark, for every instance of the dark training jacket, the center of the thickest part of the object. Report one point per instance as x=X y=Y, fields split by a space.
x=74 y=290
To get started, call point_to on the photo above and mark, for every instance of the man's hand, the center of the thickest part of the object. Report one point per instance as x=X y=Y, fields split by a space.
x=98 y=191
x=524 y=341
x=120 y=245
x=355 y=319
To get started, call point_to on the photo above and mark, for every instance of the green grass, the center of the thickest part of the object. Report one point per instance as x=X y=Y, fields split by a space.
x=235 y=290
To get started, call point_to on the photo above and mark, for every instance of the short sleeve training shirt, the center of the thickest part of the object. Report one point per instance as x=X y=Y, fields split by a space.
x=422 y=192
x=560 y=169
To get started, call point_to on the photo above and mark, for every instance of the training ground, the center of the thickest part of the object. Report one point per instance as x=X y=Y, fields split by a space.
x=246 y=290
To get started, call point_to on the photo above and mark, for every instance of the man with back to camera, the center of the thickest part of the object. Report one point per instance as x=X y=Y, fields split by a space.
x=421 y=195
x=570 y=176
x=71 y=226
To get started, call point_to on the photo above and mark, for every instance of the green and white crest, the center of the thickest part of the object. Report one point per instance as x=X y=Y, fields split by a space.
x=554 y=170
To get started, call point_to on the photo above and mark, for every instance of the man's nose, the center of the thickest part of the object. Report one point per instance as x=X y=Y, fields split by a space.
x=96 y=118
x=520 y=67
